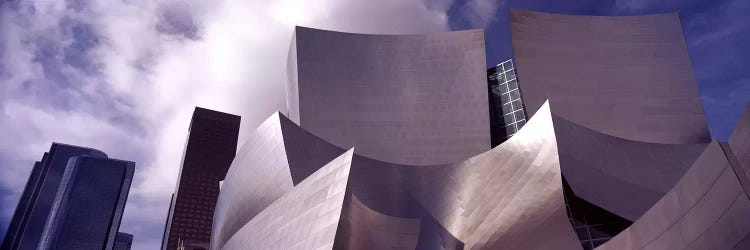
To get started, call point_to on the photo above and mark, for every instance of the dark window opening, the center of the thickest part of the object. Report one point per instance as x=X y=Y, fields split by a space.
x=593 y=225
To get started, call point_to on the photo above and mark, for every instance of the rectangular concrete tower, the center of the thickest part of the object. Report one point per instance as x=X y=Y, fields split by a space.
x=210 y=149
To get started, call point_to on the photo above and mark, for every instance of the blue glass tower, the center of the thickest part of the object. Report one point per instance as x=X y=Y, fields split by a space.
x=123 y=241
x=74 y=199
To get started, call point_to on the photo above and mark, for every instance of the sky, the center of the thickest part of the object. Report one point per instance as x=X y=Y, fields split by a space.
x=123 y=76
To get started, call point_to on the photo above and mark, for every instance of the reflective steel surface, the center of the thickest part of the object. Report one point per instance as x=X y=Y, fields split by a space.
x=483 y=202
x=626 y=131
x=304 y=218
x=409 y=99
x=626 y=76
x=602 y=168
x=706 y=209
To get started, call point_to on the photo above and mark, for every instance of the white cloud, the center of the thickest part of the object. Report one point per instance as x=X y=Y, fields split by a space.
x=130 y=86
x=480 y=13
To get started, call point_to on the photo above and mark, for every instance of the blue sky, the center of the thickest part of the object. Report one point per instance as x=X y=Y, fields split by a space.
x=717 y=34
x=123 y=76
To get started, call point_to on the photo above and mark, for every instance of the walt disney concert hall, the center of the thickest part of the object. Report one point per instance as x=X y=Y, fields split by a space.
x=398 y=142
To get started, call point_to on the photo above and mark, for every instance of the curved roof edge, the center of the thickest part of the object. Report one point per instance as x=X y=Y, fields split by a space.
x=526 y=166
x=602 y=168
x=377 y=92
x=92 y=151
x=594 y=15
x=706 y=209
x=643 y=88
x=739 y=141
x=383 y=34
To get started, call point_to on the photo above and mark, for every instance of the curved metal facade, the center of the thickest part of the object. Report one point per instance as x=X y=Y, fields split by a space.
x=482 y=202
x=627 y=132
x=626 y=76
x=252 y=189
x=407 y=99
x=740 y=145
x=706 y=209
x=303 y=218
x=260 y=173
x=602 y=169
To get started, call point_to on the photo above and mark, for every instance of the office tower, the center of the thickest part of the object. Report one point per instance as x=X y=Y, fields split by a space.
x=614 y=154
x=123 y=241
x=507 y=114
x=74 y=199
x=210 y=148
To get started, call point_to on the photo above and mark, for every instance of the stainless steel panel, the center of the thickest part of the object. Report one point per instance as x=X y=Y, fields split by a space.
x=407 y=99
x=626 y=76
x=706 y=209
x=494 y=200
x=305 y=217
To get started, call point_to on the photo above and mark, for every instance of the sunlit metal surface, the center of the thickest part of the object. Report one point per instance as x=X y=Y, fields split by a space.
x=305 y=217
x=251 y=192
x=620 y=145
x=492 y=200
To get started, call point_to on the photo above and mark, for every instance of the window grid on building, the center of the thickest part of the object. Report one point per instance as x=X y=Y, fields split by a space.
x=593 y=225
x=504 y=85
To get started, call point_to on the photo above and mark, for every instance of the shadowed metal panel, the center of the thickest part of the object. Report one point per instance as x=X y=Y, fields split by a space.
x=706 y=209
x=363 y=228
x=408 y=99
x=740 y=142
x=602 y=169
x=627 y=76
x=305 y=152
x=304 y=218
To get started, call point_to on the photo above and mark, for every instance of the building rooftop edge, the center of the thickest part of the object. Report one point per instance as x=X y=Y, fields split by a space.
x=297 y=27
x=591 y=15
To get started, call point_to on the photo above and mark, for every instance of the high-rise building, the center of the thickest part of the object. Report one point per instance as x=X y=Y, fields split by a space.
x=74 y=199
x=507 y=114
x=209 y=150
x=123 y=241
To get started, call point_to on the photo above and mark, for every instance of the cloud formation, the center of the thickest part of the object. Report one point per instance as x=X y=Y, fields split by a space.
x=124 y=76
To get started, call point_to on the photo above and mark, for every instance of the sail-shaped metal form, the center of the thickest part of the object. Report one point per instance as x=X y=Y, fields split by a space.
x=614 y=117
x=482 y=202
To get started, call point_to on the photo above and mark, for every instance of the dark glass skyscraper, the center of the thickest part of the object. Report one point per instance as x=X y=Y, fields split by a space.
x=123 y=241
x=74 y=199
x=210 y=149
x=507 y=114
